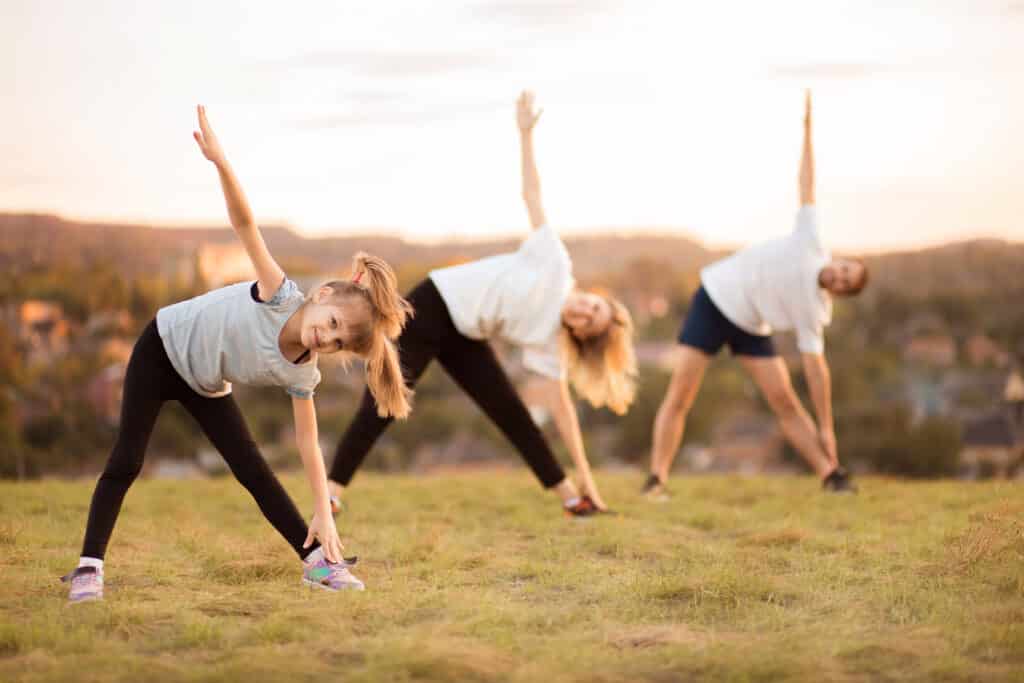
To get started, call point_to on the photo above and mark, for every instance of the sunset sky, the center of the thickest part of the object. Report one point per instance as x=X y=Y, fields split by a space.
x=398 y=116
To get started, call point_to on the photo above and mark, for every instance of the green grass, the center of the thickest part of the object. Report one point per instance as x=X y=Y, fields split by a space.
x=478 y=577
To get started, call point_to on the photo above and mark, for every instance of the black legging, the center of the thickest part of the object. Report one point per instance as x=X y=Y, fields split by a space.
x=149 y=382
x=472 y=364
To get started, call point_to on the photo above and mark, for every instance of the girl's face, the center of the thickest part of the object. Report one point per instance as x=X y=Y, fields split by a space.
x=586 y=315
x=326 y=325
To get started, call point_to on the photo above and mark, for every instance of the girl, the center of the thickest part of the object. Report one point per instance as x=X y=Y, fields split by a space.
x=265 y=332
x=528 y=298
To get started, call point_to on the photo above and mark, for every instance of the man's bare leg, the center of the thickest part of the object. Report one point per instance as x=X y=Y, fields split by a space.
x=772 y=377
x=671 y=419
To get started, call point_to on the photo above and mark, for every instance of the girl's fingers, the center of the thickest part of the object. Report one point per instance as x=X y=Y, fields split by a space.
x=309 y=539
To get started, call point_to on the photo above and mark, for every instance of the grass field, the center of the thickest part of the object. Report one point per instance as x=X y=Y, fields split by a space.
x=478 y=577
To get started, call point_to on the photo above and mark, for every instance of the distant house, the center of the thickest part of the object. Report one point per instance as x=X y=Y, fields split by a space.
x=42 y=330
x=981 y=349
x=931 y=349
x=116 y=350
x=992 y=444
x=104 y=392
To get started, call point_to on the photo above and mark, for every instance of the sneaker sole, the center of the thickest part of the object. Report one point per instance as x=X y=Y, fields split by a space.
x=348 y=586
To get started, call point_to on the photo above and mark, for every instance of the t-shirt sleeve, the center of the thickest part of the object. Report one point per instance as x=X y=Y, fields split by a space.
x=542 y=243
x=286 y=294
x=305 y=387
x=544 y=360
x=807 y=227
x=810 y=337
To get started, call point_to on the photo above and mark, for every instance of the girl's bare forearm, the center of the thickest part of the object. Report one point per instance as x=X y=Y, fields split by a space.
x=239 y=211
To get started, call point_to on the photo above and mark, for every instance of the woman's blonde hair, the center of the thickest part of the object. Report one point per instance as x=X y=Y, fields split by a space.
x=603 y=368
x=372 y=339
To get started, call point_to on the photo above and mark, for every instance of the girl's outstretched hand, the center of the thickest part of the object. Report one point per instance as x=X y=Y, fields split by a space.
x=323 y=530
x=526 y=114
x=207 y=140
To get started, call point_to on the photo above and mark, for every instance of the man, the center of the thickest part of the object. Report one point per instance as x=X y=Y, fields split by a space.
x=782 y=284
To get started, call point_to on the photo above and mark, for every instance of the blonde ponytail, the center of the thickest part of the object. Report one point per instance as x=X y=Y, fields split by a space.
x=385 y=381
x=374 y=282
x=379 y=279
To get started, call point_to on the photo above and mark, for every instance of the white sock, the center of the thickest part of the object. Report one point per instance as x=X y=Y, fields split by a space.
x=316 y=555
x=90 y=562
x=572 y=502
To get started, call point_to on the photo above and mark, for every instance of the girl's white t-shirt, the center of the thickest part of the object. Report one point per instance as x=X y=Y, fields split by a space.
x=228 y=335
x=517 y=297
x=774 y=285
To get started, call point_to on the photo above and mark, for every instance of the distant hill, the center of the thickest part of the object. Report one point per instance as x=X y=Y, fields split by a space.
x=41 y=239
x=26 y=239
x=967 y=268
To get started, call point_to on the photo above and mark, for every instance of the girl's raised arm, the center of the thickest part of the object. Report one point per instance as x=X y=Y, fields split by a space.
x=268 y=272
x=526 y=117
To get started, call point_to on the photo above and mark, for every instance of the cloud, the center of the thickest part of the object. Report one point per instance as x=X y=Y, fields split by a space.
x=545 y=13
x=391 y=64
x=834 y=71
x=401 y=111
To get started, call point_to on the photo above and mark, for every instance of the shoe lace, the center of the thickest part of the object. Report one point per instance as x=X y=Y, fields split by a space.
x=82 y=576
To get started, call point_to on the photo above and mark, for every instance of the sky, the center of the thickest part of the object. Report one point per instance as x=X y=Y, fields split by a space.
x=398 y=116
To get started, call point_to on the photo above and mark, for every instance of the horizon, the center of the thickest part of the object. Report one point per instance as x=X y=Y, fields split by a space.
x=597 y=232
x=401 y=115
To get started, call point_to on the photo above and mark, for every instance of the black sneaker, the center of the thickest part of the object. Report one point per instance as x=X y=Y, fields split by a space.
x=839 y=481
x=584 y=508
x=652 y=481
x=654 y=489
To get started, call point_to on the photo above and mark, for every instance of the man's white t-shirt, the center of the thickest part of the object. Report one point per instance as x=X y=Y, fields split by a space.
x=517 y=297
x=774 y=285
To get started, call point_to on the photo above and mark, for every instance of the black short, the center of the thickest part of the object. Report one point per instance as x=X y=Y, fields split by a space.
x=707 y=329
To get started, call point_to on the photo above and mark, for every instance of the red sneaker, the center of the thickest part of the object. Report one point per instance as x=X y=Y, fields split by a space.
x=584 y=508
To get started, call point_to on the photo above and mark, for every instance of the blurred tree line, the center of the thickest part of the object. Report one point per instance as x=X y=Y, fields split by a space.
x=876 y=429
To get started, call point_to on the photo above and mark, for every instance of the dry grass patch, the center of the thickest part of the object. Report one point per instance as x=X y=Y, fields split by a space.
x=479 y=577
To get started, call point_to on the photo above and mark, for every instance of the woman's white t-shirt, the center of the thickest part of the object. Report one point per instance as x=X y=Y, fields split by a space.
x=517 y=297
x=774 y=285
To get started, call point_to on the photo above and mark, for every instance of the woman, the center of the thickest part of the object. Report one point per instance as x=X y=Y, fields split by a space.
x=264 y=333
x=529 y=299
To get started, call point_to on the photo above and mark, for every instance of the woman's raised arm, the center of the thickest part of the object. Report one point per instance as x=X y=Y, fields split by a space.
x=526 y=117
x=268 y=272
